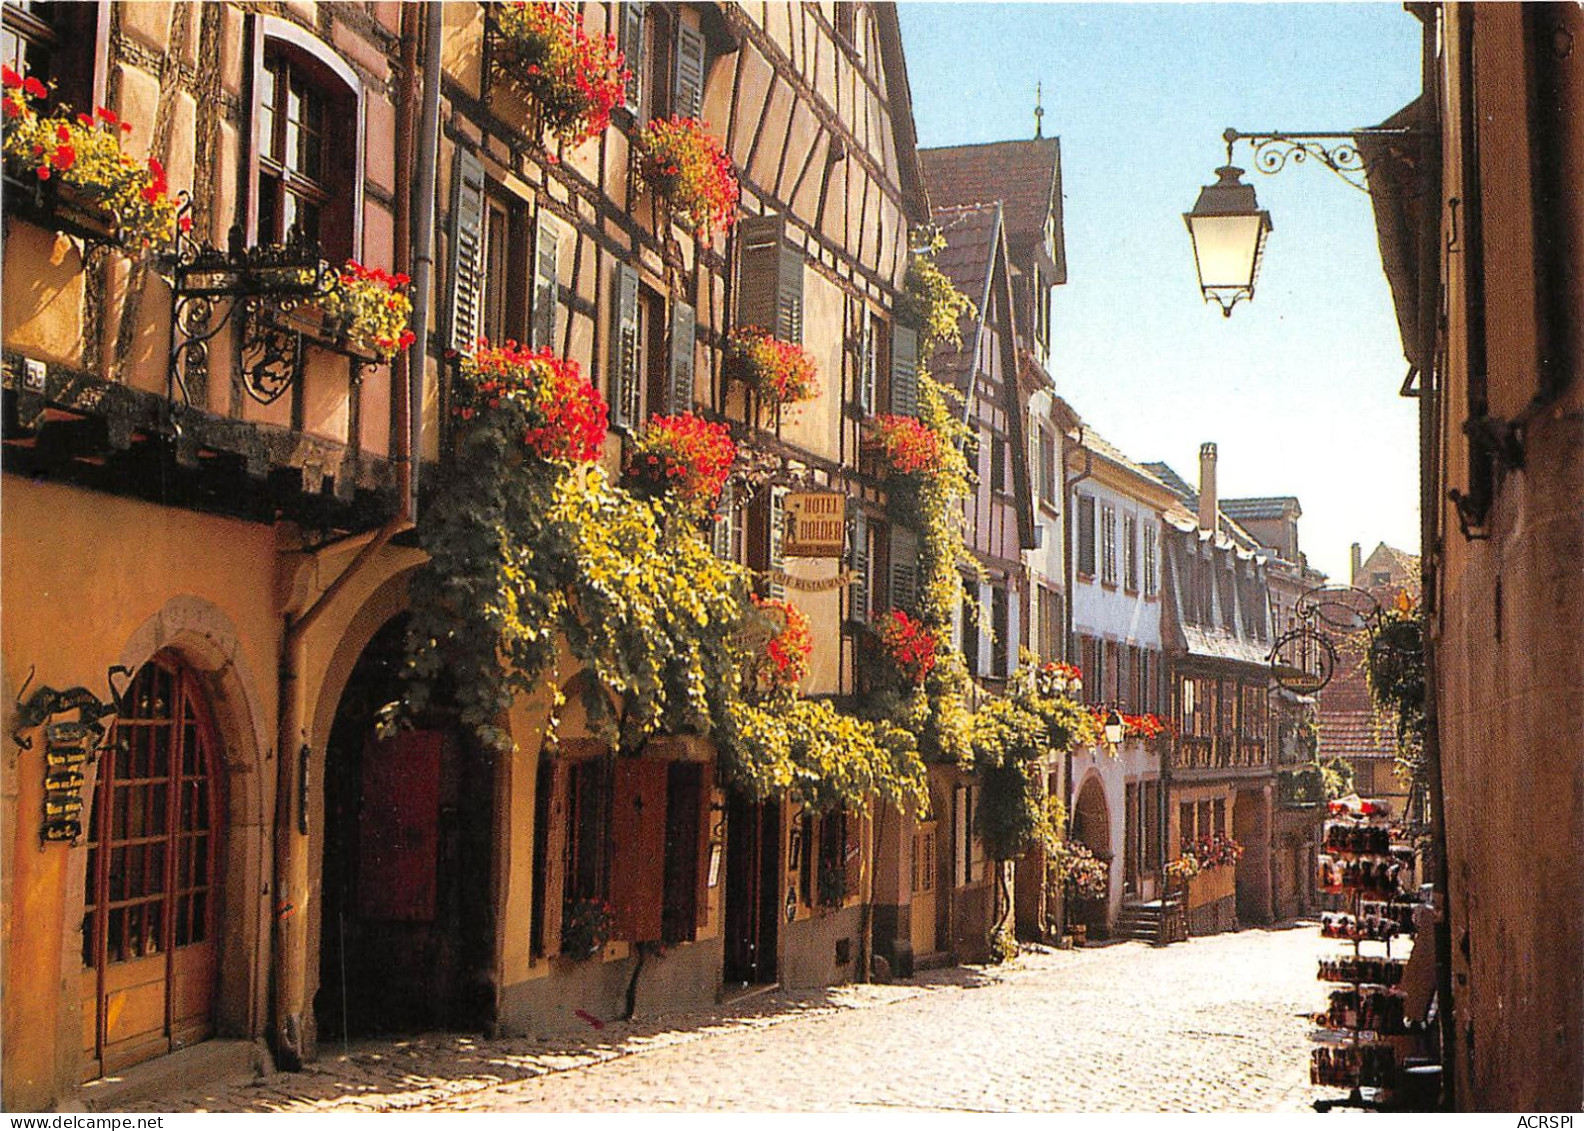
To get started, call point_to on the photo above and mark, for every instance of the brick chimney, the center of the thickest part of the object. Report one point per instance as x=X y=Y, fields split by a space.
x=1356 y=559
x=1209 y=501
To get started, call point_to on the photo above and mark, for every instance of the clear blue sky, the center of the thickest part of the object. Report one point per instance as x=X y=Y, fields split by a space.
x=1297 y=388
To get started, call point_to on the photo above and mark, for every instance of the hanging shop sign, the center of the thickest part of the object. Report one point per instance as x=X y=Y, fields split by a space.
x=811 y=584
x=816 y=524
x=68 y=746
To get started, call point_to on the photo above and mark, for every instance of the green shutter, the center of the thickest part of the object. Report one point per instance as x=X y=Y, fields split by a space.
x=624 y=386
x=758 y=266
x=777 y=510
x=679 y=379
x=721 y=530
x=904 y=371
x=866 y=365
x=858 y=562
x=688 y=87
x=632 y=45
x=467 y=251
x=904 y=569
x=547 y=248
x=789 y=295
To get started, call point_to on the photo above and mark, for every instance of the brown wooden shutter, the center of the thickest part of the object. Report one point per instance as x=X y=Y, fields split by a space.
x=637 y=874
x=706 y=800
x=679 y=380
x=904 y=371
x=858 y=562
x=758 y=267
x=547 y=247
x=632 y=45
x=852 y=850
x=467 y=247
x=624 y=376
x=688 y=87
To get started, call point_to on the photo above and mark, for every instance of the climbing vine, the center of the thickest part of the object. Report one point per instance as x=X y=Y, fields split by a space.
x=532 y=548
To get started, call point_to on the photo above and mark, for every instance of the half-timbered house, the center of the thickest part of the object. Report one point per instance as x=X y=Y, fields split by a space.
x=213 y=502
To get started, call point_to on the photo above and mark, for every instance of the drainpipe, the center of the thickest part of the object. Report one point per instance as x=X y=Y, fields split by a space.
x=294 y=747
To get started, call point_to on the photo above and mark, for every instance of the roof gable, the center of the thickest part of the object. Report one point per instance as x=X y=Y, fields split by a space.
x=1024 y=176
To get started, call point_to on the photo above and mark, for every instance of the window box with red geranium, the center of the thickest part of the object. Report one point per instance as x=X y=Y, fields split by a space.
x=691 y=172
x=783 y=661
x=684 y=458
x=572 y=79
x=530 y=398
x=779 y=372
x=371 y=309
x=908 y=446
x=74 y=175
x=909 y=645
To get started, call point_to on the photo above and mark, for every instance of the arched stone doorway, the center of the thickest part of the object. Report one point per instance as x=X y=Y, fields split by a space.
x=1092 y=828
x=407 y=924
x=153 y=887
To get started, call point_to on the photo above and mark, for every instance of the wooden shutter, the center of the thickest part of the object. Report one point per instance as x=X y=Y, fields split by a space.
x=852 y=850
x=777 y=509
x=721 y=532
x=688 y=87
x=858 y=561
x=679 y=378
x=904 y=569
x=706 y=798
x=547 y=247
x=758 y=264
x=467 y=248
x=904 y=371
x=632 y=45
x=638 y=826
x=866 y=366
x=624 y=387
x=789 y=296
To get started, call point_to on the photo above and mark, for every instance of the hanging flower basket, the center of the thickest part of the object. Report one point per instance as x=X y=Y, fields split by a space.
x=572 y=79
x=88 y=181
x=909 y=645
x=689 y=169
x=783 y=660
x=780 y=372
x=685 y=458
x=535 y=398
x=909 y=446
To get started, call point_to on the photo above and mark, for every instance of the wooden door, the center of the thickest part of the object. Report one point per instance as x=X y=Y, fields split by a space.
x=925 y=904
x=149 y=955
x=753 y=868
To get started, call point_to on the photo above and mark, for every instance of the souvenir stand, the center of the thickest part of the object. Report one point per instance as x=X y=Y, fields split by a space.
x=1367 y=1043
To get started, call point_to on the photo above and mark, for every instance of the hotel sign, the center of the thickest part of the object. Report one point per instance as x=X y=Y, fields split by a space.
x=816 y=525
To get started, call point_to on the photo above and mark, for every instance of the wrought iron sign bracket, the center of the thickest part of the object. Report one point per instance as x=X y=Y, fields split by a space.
x=1336 y=150
x=209 y=287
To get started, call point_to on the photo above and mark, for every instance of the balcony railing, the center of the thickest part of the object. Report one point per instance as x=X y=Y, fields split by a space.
x=1217 y=752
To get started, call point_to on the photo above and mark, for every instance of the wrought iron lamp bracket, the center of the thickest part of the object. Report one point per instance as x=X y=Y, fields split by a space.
x=208 y=285
x=1337 y=151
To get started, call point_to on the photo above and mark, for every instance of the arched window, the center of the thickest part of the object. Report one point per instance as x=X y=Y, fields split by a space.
x=152 y=873
x=306 y=142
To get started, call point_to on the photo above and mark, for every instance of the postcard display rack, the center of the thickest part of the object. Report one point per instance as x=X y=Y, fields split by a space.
x=1364 y=1040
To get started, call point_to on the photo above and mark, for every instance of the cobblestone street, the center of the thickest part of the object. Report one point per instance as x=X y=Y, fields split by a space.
x=1212 y=1025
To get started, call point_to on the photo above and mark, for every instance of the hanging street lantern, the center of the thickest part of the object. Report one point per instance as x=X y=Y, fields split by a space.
x=1228 y=229
x=1113 y=728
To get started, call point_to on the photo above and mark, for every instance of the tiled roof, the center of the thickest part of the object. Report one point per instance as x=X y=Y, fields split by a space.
x=968 y=260
x=1212 y=645
x=1022 y=175
x=1109 y=451
x=1190 y=496
x=1270 y=506
x=1350 y=726
x=1177 y=483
